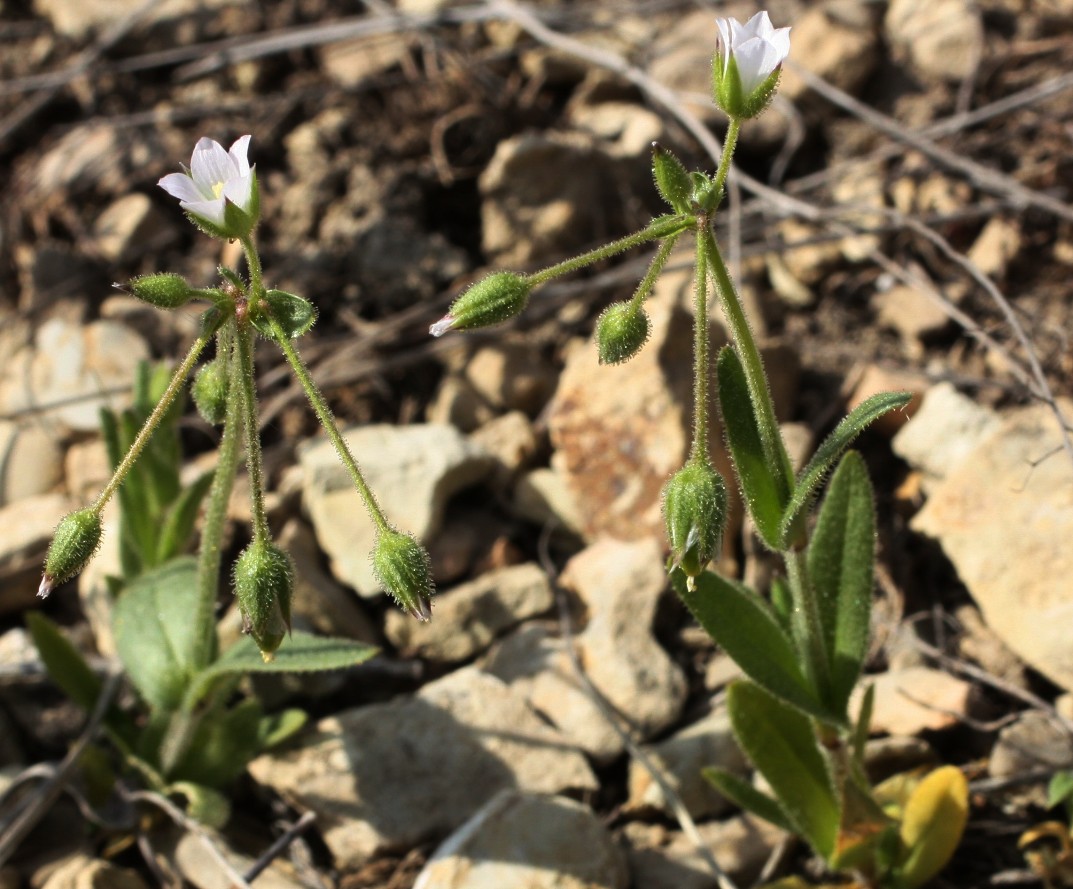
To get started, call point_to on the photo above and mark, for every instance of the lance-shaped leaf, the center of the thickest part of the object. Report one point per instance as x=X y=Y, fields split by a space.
x=841 y=557
x=779 y=741
x=178 y=524
x=811 y=477
x=747 y=797
x=932 y=824
x=294 y=314
x=742 y=624
x=765 y=495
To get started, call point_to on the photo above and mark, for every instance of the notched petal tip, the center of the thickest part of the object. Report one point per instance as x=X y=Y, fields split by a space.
x=46 y=587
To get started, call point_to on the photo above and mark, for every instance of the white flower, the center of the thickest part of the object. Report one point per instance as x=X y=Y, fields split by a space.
x=757 y=51
x=215 y=179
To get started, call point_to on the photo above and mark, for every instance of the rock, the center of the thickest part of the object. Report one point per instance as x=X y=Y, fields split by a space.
x=946 y=428
x=510 y=438
x=470 y=616
x=620 y=585
x=837 y=41
x=94 y=587
x=885 y=757
x=943 y=39
x=167 y=333
x=393 y=775
x=530 y=213
x=913 y=313
x=349 y=62
x=811 y=262
x=720 y=672
x=511 y=377
x=130 y=228
x=98 y=158
x=78 y=20
x=680 y=758
x=519 y=839
x=191 y=858
x=26 y=529
x=73 y=371
x=982 y=645
x=1034 y=741
x=31 y=461
x=83 y=872
x=916 y=699
x=414 y=470
x=624 y=130
x=457 y=403
x=50 y=273
x=86 y=468
x=470 y=540
x=1004 y=518
x=660 y=858
x=619 y=432
x=875 y=379
x=996 y=246
x=544 y=498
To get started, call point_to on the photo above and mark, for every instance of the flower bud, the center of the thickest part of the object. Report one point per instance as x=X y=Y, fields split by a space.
x=672 y=180
x=694 y=511
x=210 y=391
x=404 y=570
x=75 y=542
x=493 y=299
x=165 y=290
x=264 y=585
x=621 y=331
x=747 y=65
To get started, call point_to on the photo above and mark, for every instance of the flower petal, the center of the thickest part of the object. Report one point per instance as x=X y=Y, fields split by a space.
x=238 y=153
x=212 y=211
x=723 y=45
x=210 y=165
x=760 y=25
x=780 y=39
x=239 y=191
x=181 y=186
x=756 y=60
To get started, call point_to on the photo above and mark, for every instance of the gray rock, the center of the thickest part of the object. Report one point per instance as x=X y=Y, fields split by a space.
x=26 y=528
x=1036 y=740
x=663 y=859
x=414 y=470
x=680 y=759
x=519 y=839
x=73 y=371
x=470 y=616
x=192 y=860
x=457 y=403
x=31 y=461
x=83 y=872
x=393 y=775
x=1004 y=517
x=510 y=438
x=943 y=39
x=543 y=497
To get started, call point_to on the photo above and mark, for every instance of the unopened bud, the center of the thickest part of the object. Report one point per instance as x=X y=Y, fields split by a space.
x=404 y=570
x=165 y=290
x=672 y=180
x=74 y=543
x=621 y=331
x=264 y=585
x=493 y=299
x=694 y=511
x=210 y=391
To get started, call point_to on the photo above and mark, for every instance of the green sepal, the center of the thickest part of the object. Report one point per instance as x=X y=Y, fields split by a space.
x=703 y=192
x=210 y=391
x=165 y=290
x=742 y=624
x=840 y=559
x=237 y=223
x=491 y=300
x=729 y=95
x=791 y=529
x=294 y=314
x=694 y=515
x=765 y=495
x=76 y=540
x=747 y=797
x=264 y=587
x=779 y=741
x=403 y=569
x=672 y=179
x=154 y=634
x=621 y=332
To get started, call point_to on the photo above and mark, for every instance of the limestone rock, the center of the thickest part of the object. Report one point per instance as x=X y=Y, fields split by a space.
x=414 y=470
x=510 y=376
x=130 y=228
x=26 y=528
x=996 y=246
x=916 y=699
x=519 y=839
x=392 y=775
x=470 y=616
x=83 y=872
x=77 y=369
x=837 y=41
x=510 y=438
x=911 y=312
x=1034 y=741
x=680 y=758
x=943 y=39
x=543 y=496
x=77 y=20
x=1004 y=517
x=31 y=461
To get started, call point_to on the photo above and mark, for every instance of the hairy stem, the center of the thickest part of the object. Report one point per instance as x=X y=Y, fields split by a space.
x=245 y=377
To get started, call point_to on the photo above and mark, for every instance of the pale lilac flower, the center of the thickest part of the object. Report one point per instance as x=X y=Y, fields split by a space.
x=215 y=178
x=756 y=47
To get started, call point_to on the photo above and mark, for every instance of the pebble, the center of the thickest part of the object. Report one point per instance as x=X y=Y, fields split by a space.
x=916 y=699
x=83 y=872
x=26 y=529
x=1034 y=741
x=943 y=39
x=130 y=228
x=31 y=460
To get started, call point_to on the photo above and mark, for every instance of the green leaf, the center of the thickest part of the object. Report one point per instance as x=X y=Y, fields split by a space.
x=811 y=477
x=1060 y=788
x=932 y=824
x=301 y=653
x=864 y=722
x=840 y=563
x=203 y=804
x=178 y=524
x=743 y=625
x=278 y=727
x=222 y=745
x=293 y=313
x=779 y=741
x=762 y=489
x=64 y=663
x=747 y=797
x=155 y=633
